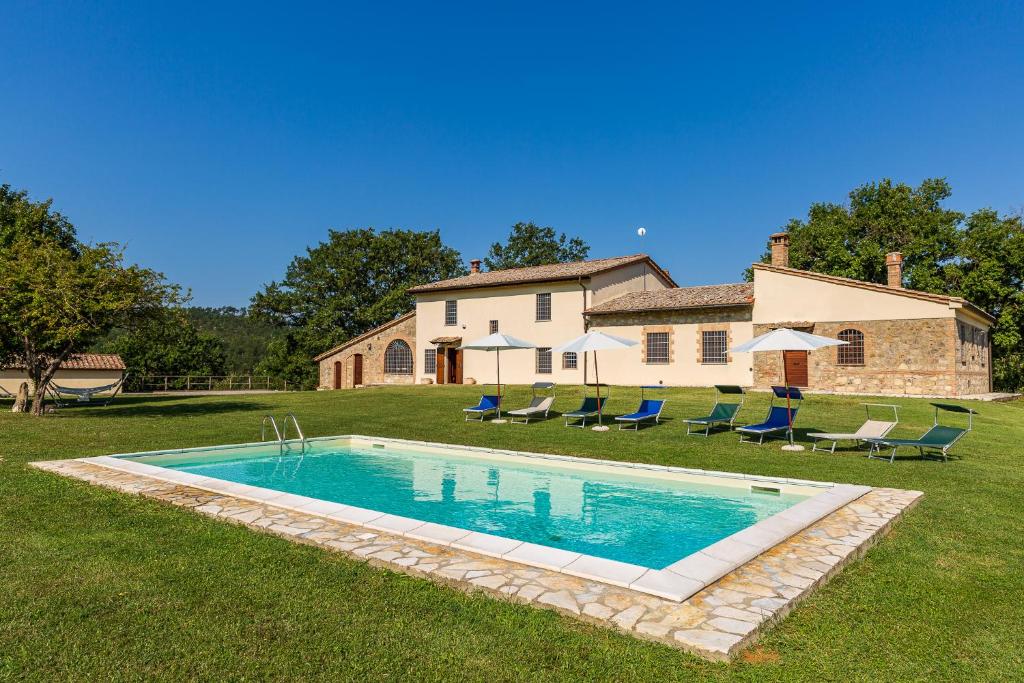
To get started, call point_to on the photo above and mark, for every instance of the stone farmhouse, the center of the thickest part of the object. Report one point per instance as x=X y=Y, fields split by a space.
x=900 y=341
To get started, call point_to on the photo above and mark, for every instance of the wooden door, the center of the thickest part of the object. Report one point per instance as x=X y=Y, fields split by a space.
x=458 y=366
x=449 y=375
x=357 y=369
x=337 y=374
x=440 y=366
x=796 y=367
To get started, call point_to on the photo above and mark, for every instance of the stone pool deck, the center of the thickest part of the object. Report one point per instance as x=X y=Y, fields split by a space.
x=715 y=623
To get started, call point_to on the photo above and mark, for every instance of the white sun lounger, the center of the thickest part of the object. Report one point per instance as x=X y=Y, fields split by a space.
x=871 y=429
x=538 y=407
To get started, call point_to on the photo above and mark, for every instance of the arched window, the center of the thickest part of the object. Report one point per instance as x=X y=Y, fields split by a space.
x=398 y=358
x=852 y=352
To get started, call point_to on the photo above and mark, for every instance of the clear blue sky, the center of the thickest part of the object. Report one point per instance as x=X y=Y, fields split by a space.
x=218 y=143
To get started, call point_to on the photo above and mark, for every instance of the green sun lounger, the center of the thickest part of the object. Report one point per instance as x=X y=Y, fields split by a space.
x=937 y=441
x=589 y=408
x=724 y=412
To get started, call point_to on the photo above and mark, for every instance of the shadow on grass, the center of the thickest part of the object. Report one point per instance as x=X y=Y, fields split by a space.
x=174 y=407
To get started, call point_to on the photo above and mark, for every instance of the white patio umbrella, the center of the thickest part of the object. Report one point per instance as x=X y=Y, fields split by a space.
x=496 y=342
x=595 y=341
x=784 y=339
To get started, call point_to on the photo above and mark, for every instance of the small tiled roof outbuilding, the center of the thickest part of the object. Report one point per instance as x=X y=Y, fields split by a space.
x=678 y=299
x=548 y=273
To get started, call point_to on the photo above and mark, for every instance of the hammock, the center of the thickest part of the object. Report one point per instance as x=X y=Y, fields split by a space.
x=83 y=395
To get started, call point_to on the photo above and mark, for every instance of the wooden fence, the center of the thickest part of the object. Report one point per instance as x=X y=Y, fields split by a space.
x=150 y=383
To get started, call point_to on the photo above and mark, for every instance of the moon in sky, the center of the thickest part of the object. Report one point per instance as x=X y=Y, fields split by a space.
x=641 y=231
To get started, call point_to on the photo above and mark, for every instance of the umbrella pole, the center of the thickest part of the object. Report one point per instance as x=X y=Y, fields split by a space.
x=789 y=408
x=597 y=381
x=497 y=360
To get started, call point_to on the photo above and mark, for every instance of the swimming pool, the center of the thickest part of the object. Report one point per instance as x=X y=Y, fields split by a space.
x=667 y=531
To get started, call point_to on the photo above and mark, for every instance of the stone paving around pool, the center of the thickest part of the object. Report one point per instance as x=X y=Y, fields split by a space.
x=715 y=623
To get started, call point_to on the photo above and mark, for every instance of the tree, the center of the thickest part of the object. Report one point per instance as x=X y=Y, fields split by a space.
x=167 y=344
x=978 y=257
x=19 y=217
x=989 y=272
x=531 y=245
x=351 y=283
x=57 y=299
x=852 y=241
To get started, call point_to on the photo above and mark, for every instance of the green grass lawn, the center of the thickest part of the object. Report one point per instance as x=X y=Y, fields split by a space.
x=102 y=585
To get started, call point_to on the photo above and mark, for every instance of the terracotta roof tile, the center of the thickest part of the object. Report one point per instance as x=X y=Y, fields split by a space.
x=93 y=361
x=679 y=298
x=547 y=273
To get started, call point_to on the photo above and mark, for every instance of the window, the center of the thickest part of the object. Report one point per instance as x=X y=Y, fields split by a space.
x=569 y=360
x=494 y=327
x=544 y=361
x=852 y=352
x=398 y=358
x=430 y=361
x=451 y=312
x=543 y=307
x=657 y=348
x=714 y=347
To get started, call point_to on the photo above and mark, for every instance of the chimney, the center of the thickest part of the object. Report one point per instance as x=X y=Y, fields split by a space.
x=474 y=266
x=780 y=249
x=894 y=263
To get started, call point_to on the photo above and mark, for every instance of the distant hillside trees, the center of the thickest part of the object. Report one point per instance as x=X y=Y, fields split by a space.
x=979 y=257
x=347 y=285
x=244 y=337
x=529 y=244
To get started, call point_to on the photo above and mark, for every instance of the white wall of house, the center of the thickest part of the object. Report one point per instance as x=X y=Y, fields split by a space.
x=627 y=366
x=515 y=310
x=782 y=297
x=636 y=277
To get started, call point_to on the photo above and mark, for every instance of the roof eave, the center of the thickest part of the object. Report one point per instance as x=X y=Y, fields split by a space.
x=653 y=309
x=498 y=285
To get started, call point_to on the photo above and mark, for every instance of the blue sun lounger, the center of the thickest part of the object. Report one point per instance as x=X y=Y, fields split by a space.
x=650 y=409
x=777 y=420
x=590 y=408
x=488 y=404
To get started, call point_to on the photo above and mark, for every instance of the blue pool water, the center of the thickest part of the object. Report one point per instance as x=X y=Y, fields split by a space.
x=639 y=520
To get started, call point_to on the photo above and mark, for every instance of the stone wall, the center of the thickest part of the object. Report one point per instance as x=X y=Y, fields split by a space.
x=901 y=357
x=372 y=348
x=973 y=355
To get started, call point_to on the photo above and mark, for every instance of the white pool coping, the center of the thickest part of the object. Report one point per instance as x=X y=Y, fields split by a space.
x=676 y=582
